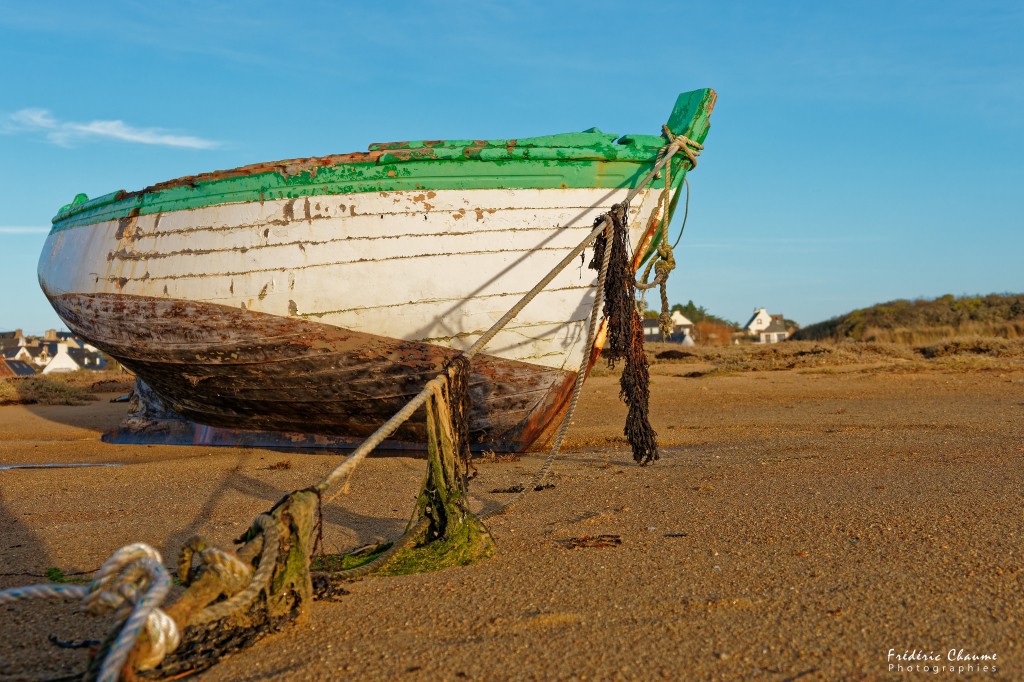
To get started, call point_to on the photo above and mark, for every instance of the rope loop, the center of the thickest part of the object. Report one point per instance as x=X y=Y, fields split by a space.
x=690 y=148
x=186 y=569
x=242 y=583
x=198 y=554
x=665 y=261
x=132 y=583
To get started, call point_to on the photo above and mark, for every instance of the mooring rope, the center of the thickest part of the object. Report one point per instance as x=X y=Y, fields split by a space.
x=132 y=584
x=538 y=478
x=238 y=571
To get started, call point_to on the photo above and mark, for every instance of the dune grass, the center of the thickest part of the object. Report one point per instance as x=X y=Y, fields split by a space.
x=70 y=388
x=954 y=354
x=926 y=320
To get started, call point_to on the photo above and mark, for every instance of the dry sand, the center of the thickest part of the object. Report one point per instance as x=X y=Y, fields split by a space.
x=800 y=525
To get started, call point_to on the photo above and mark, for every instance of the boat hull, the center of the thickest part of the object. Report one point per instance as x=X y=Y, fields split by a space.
x=316 y=296
x=325 y=316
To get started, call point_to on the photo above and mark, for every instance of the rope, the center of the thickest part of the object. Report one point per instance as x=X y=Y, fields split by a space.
x=665 y=261
x=690 y=148
x=542 y=473
x=117 y=587
x=45 y=591
x=686 y=212
x=232 y=571
x=237 y=571
x=131 y=584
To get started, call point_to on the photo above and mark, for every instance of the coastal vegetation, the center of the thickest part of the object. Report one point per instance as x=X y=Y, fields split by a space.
x=70 y=388
x=698 y=313
x=925 y=320
x=829 y=357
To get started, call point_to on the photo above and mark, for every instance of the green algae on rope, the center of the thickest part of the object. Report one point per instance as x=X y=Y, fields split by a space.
x=443 y=532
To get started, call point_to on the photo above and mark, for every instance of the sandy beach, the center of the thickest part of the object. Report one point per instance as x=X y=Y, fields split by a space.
x=809 y=523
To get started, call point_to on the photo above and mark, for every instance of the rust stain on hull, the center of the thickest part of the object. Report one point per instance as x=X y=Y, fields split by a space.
x=235 y=371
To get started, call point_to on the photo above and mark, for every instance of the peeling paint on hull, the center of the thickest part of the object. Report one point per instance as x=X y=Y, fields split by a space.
x=385 y=264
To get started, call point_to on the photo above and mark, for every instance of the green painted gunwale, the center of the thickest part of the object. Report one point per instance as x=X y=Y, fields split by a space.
x=571 y=160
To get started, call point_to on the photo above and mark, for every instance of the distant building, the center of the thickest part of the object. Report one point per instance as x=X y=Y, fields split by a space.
x=682 y=330
x=10 y=340
x=775 y=331
x=35 y=355
x=68 y=359
x=759 y=322
x=39 y=351
x=17 y=368
x=766 y=327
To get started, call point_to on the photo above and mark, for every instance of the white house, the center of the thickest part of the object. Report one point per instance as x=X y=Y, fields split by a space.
x=759 y=322
x=69 y=358
x=681 y=330
x=680 y=320
x=37 y=355
x=768 y=328
x=39 y=351
x=61 y=361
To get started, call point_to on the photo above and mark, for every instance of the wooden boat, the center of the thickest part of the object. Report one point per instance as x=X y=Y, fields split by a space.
x=304 y=301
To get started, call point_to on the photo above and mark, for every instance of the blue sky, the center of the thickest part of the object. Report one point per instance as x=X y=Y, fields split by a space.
x=859 y=152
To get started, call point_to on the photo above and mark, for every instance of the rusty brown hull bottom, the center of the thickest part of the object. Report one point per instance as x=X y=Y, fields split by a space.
x=246 y=378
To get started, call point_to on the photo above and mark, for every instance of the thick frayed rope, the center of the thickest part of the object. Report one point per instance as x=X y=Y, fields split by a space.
x=458 y=387
x=132 y=584
x=242 y=583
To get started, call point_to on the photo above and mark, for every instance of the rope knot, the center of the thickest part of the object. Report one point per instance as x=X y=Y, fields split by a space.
x=665 y=321
x=199 y=554
x=690 y=148
x=132 y=584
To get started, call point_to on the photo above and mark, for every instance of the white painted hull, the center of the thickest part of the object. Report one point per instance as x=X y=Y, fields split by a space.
x=436 y=267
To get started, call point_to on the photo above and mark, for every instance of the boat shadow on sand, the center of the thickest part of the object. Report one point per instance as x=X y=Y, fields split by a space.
x=51 y=444
x=25 y=557
x=343 y=528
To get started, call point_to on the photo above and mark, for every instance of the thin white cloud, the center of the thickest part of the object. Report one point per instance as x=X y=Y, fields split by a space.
x=23 y=229
x=66 y=133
